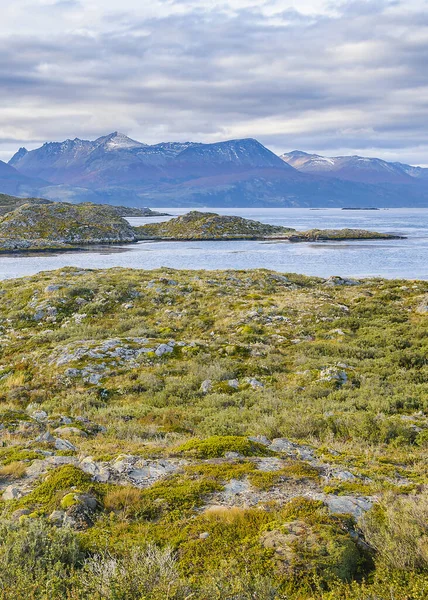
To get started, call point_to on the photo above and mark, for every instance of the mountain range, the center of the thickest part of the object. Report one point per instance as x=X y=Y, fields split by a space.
x=115 y=168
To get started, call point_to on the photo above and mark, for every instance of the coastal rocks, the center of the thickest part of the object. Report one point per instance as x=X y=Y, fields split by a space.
x=260 y=439
x=98 y=471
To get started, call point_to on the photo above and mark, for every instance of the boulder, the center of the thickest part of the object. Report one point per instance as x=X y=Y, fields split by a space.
x=57 y=517
x=46 y=437
x=64 y=445
x=12 y=492
x=39 y=415
x=71 y=431
x=163 y=349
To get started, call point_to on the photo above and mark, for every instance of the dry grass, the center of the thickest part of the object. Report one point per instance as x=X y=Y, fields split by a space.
x=14 y=470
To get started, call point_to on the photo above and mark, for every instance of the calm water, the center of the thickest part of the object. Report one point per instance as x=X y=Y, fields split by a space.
x=396 y=258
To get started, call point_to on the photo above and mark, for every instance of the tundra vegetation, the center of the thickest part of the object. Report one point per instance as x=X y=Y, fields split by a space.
x=213 y=435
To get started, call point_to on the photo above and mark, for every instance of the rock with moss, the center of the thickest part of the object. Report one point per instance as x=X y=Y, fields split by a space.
x=211 y=226
x=62 y=225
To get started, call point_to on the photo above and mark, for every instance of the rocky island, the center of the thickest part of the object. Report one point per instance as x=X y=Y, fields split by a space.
x=211 y=226
x=41 y=226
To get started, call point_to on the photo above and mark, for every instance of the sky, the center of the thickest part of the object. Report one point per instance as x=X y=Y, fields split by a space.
x=332 y=77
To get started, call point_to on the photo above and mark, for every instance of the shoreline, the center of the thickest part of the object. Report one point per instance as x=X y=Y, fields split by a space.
x=291 y=240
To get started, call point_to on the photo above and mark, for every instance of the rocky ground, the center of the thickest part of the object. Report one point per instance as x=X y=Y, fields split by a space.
x=250 y=421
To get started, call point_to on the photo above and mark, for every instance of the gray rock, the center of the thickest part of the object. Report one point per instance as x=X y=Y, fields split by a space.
x=233 y=455
x=45 y=437
x=98 y=471
x=333 y=374
x=283 y=445
x=64 y=445
x=206 y=386
x=57 y=517
x=335 y=281
x=39 y=415
x=12 y=492
x=352 y=505
x=236 y=486
x=270 y=464
x=163 y=349
x=260 y=439
x=71 y=431
x=204 y=535
x=233 y=383
x=423 y=306
x=88 y=501
x=342 y=475
x=255 y=384
x=21 y=512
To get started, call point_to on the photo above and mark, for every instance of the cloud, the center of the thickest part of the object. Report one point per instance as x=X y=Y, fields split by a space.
x=315 y=75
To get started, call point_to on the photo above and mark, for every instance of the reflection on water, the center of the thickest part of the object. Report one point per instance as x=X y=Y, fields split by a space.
x=393 y=258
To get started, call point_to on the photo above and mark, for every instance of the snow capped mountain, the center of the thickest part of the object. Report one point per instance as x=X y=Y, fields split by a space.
x=115 y=159
x=239 y=172
x=117 y=141
x=308 y=162
x=355 y=168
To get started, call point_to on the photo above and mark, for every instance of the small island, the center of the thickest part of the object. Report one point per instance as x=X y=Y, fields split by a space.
x=10 y=203
x=61 y=226
x=211 y=226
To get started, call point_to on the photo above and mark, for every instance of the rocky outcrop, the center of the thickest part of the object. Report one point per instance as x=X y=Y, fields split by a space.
x=62 y=225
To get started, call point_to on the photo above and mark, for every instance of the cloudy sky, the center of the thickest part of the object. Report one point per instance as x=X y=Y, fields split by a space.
x=333 y=77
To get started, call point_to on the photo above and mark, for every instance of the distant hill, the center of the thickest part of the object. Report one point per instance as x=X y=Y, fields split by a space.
x=356 y=168
x=115 y=169
x=16 y=183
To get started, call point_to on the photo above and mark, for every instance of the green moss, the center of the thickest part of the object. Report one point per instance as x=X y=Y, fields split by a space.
x=176 y=496
x=69 y=500
x=222 y=472
x=10 y=455
x=267 y=479
x=49 y=493
x=217 y=446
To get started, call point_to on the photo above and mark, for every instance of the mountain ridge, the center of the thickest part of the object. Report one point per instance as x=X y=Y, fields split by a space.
x=242 y=172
